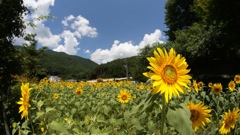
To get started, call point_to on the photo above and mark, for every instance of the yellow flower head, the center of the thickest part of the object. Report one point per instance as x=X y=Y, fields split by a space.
x=237 y=79
x=24 y=100
x=231 y=86
x=169 y=73
x=42 y=129
x=70 y=85
x=55 y=96
x=199 y=115
x=229 y=120
x=210 y=85
x=78 y=91
x=195 y=85
x=124 y=96
x=217 y=88
x=200 y=84
x=137 y=87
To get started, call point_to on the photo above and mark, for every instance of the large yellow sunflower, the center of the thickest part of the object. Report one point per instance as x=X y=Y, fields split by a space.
x=229 y=120
x=24 y=100
x=217 y=88
x=169 y=73
x=199 y=115
x=124 y=96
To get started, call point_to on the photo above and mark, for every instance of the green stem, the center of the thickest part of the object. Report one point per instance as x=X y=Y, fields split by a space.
x=163 y=114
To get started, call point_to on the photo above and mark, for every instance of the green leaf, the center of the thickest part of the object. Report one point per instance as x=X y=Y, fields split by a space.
x=179 y=118
x=136 y=123
x=126 y=115
x=58 y=126
x=73 y=111
x=39 y=104
x=39 y=114
x=48 y=109
x=76 y=130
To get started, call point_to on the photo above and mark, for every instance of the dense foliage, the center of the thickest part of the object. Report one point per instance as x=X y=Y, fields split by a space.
x=206 y=33
x=11 y=25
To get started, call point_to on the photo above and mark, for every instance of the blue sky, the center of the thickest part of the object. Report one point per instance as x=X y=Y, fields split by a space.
x=100 y=30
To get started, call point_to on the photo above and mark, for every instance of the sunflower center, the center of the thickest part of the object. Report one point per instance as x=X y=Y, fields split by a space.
x=229 y=121
x=124 y=97
x=216 y=89
x=194 y=115
x=169 y=74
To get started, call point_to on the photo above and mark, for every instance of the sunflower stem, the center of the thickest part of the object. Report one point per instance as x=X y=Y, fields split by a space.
x=163 y=115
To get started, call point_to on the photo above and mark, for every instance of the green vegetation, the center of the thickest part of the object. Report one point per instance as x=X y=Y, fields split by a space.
x=206 y=33
x=66 y=66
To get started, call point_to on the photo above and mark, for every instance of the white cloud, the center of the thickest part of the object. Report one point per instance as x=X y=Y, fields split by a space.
x=66 y=19
x=123 y=50
x=86 y=51
x=66 y=41
x=149 y=39
x=80 y=26
x=40 y=7
x=70 y=43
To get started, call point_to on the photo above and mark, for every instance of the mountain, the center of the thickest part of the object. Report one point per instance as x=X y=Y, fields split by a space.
x=115 y=69
x=78 y=68
x=66 y=66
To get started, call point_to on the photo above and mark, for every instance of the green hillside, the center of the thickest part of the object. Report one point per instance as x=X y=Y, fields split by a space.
x=66 y=66
x=78 y=68
x=115 y=68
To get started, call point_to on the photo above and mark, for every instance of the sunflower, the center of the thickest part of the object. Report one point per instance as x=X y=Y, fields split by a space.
x=78 y=91
x=199 y=115
x=231 y=86
x=200 y=84
x=195 y=85
x=229 y=120
x=169 y=73
x=217 y=88
x=210 y=84
x=24 y=100
x=237 y=79
x=70 y=85
x=124 y=96
x=55 y=96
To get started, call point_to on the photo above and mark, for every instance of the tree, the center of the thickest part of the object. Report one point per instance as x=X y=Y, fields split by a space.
x=210 y=41
x=11 y=25
x=31 y=56
x=179 y=16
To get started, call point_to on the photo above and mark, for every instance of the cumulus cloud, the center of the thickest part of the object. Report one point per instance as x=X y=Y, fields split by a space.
x=149 y=39
x=70 y=43
x=118 y=50
x=80 y=25
x=126 y=49
x=69 y=18
x=40 y=7
x=66 y=41
x=86 y=51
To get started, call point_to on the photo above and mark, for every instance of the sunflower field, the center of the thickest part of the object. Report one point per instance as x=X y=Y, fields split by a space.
x=171 y=103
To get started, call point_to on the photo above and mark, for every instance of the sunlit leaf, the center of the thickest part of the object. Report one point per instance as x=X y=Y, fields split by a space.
x=179 y=118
